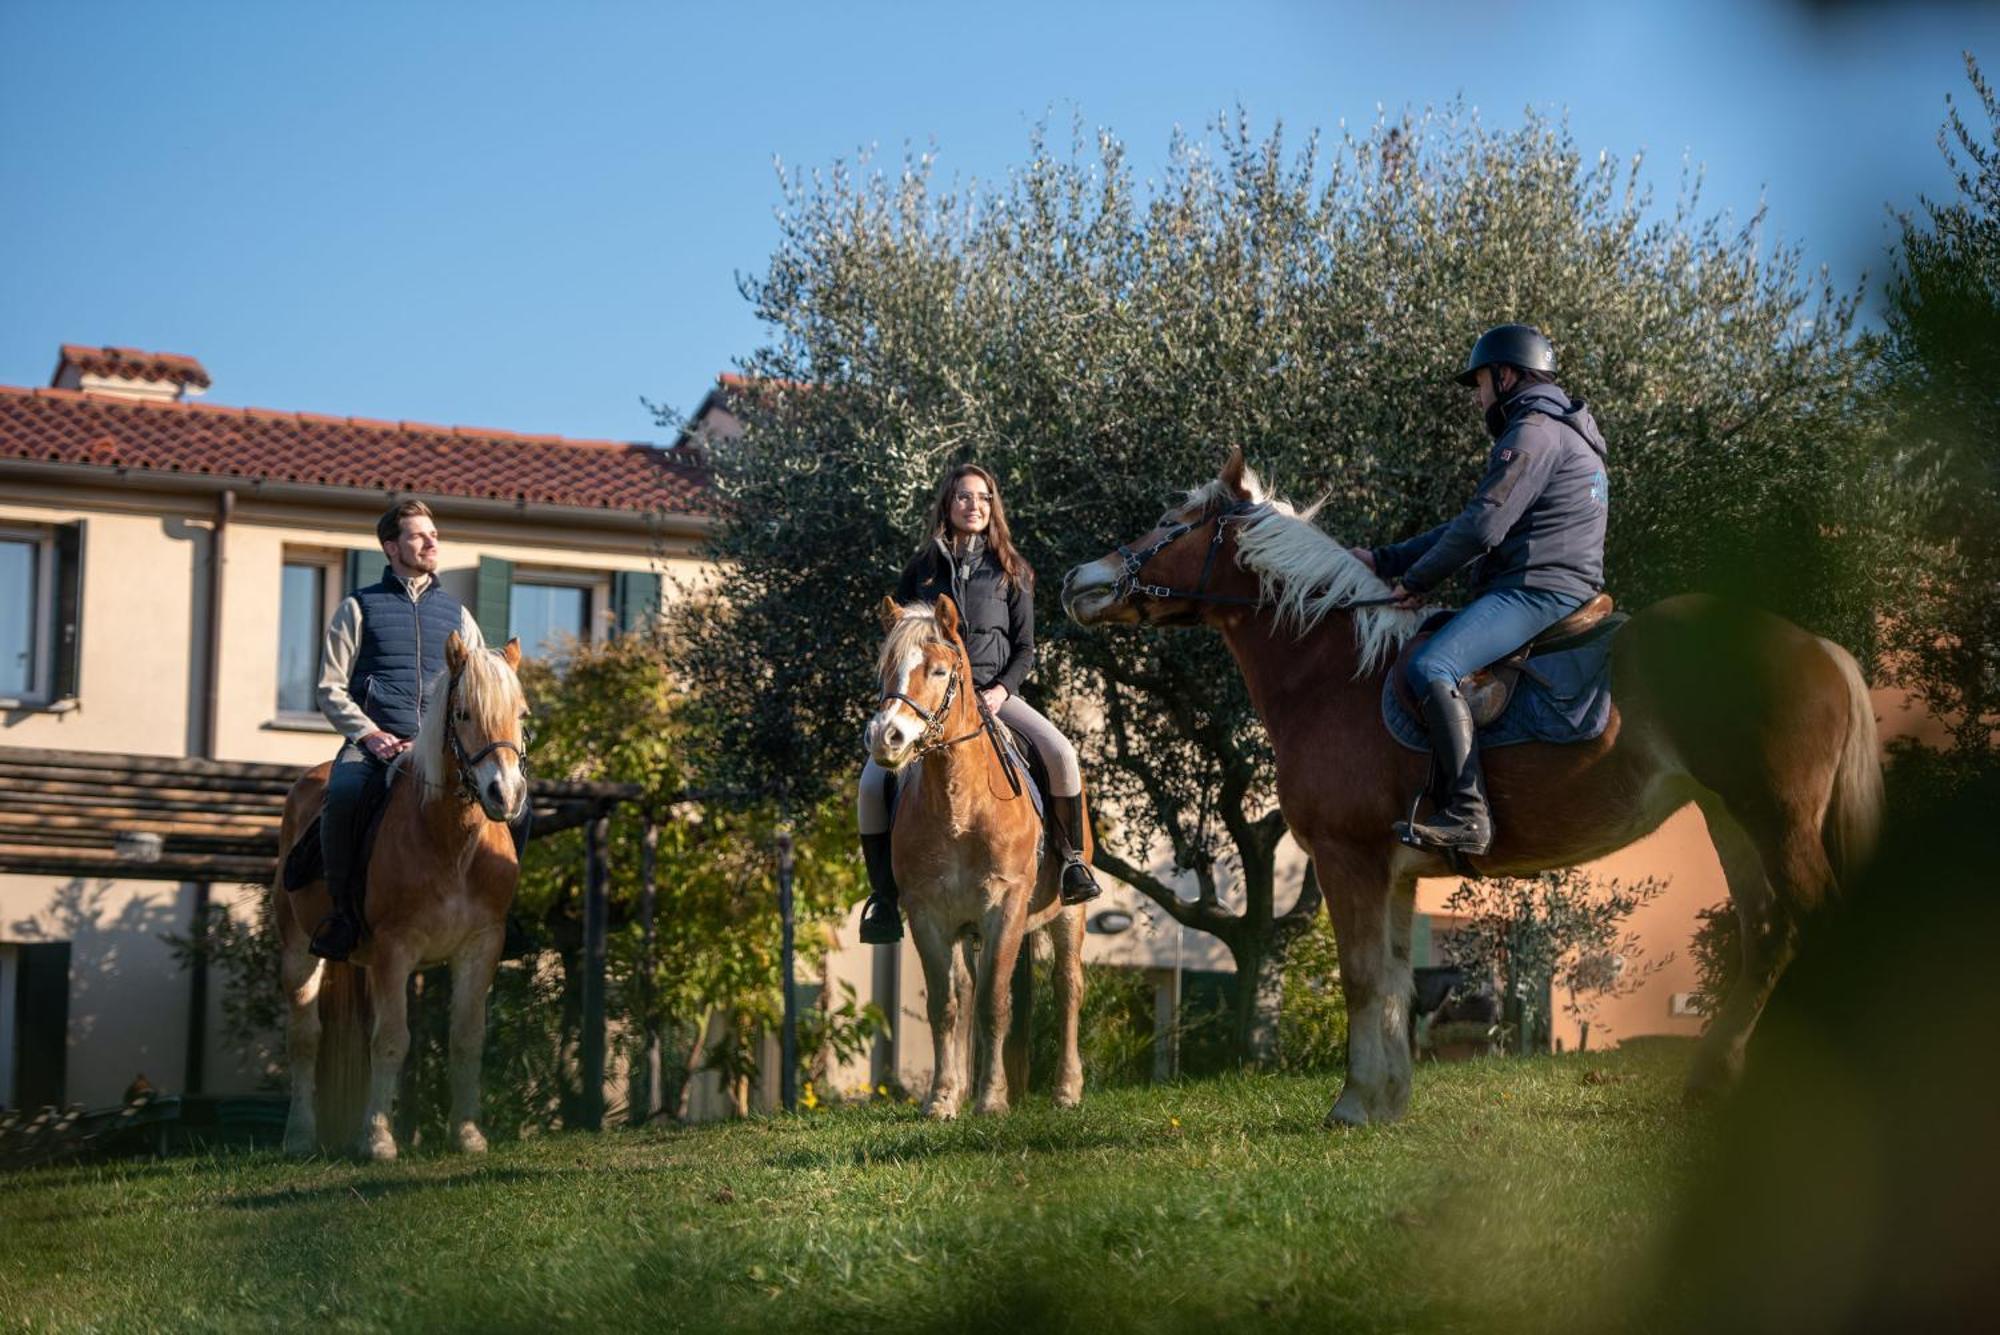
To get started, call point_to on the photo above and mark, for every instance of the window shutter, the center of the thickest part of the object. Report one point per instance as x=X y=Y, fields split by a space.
x=635 y=601
x=491 y=603
x=363 y=568
x=68 y=618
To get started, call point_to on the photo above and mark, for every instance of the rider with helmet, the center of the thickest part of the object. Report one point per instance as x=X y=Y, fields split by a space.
x=1535 y=525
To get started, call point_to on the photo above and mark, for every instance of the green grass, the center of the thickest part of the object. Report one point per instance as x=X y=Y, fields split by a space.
x=1519 y=1194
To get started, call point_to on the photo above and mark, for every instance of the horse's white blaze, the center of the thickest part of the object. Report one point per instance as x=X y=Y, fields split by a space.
x=895 y=727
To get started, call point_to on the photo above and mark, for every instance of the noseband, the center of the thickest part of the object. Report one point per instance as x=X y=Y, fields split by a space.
x=932 y=738
x=468 y=785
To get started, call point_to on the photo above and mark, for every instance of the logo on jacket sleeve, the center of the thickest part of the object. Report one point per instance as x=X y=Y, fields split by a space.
x=1600 y=488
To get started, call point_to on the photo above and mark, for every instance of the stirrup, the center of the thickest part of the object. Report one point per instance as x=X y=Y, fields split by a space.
x=1079 y=886
x=335 y=938
x=881 y=922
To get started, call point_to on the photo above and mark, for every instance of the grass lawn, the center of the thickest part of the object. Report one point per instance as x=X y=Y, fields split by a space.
x=1520 y=1195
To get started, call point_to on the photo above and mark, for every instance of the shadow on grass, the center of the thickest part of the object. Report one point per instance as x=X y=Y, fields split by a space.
x=379 y=1189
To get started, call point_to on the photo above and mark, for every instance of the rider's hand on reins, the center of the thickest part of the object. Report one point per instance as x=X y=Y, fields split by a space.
x=994 y=696
x=1406 y=600
x=1365 y=555
x=384 y=746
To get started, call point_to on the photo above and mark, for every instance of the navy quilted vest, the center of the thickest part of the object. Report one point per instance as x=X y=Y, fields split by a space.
x=402 y=649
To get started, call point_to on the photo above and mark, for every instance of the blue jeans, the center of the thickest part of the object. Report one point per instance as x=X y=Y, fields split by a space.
x=1493 y=625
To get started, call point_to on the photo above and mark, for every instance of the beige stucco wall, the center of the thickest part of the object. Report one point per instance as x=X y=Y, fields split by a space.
x=144 y=637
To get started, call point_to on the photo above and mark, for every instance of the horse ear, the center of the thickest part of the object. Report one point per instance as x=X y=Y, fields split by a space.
x=1235 y=472
x=454 y=652
x=889 y=612
x=512 y=653
x=947 y=615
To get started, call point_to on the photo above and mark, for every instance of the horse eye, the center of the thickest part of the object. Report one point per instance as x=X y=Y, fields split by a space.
x=463 y=716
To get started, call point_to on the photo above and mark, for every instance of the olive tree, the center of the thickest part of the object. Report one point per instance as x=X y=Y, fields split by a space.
x=1098 y=342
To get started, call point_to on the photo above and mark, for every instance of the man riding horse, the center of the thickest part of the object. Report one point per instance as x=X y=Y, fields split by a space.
x=1535 y=524
x=385 y=644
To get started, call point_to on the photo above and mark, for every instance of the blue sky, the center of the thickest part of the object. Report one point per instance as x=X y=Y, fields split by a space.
x=528 y=216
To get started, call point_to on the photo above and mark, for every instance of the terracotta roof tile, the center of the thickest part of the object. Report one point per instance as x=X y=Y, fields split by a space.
x=261 y=444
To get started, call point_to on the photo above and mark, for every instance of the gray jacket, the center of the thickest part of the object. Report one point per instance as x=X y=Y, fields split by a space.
x=1537 y=519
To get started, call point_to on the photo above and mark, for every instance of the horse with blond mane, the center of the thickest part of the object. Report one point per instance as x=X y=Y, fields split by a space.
x=441 y=875
x=1766 y=728
x=975 y=868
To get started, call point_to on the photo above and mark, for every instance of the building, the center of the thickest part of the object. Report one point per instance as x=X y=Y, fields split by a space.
x=166 y=570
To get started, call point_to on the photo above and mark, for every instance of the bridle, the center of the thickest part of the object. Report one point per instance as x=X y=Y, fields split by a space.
x=1242 y=511
x=932 y=738
x=469 y=788
x=1128 y=579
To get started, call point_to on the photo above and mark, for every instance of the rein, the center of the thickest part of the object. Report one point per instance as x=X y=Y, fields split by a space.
x=932 y=738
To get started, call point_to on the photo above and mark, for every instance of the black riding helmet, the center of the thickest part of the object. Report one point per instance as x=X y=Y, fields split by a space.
x=1520 y=345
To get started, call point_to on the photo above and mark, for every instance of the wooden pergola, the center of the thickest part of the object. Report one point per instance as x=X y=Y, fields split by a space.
x=103 y=815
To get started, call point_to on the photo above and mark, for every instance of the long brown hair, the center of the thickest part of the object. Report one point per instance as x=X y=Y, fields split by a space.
x=999 y=539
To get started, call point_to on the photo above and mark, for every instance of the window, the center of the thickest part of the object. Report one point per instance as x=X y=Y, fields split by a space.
x=547 y=609
x=21 y=603
x=309 y=589
x=41 y=573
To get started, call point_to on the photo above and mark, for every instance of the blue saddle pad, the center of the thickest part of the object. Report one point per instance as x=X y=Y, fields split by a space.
x=1574 y=705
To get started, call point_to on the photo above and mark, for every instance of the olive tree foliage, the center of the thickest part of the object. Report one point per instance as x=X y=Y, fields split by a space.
x=1941 y=365
x=1099 y=342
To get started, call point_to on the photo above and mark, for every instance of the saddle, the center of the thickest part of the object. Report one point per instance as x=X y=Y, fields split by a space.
x=306 y=863
x=1488 y=690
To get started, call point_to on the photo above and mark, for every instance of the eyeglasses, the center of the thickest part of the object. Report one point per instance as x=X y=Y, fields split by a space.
x=968 y=497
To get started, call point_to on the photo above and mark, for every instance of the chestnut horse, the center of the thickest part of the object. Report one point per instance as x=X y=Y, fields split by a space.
x=971 y=862
x=1767 y=728
x=440 y=879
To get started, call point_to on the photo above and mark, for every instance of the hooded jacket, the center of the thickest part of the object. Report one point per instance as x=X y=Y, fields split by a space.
x=997 y=615
x=1537 y=519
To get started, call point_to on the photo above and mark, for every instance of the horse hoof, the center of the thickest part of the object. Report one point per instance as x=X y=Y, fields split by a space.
x=941 y=1112
x=1345 y=1111
x=301 y=1145
x=992 y=1107
x=1069 y=1098
x=469 y=1140
x=379 y=1149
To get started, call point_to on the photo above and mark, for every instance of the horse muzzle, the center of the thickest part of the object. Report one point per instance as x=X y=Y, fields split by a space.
x=1090 y=595
x=891 y=737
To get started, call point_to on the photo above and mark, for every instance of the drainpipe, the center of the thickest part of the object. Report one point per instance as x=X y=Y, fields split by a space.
x=218 y=561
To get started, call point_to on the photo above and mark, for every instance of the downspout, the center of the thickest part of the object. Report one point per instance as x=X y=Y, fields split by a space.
x=218 y=561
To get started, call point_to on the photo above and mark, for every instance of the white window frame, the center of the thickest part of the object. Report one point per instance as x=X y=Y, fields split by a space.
x=41 y=671
x=596 y=585
x=333 y=578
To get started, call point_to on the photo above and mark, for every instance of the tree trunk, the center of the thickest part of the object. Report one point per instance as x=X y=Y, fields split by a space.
x=1260 y=997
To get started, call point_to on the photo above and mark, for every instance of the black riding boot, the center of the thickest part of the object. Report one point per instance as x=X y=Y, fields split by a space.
x=339 y=932
x=1078 y=885
x=881 y=924
x=1463 y=824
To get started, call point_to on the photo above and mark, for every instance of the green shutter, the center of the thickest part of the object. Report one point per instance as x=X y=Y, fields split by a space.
x=364 y=567
x=1420 y=940
x=491 y=605
x=67 y=621
x=635 y=601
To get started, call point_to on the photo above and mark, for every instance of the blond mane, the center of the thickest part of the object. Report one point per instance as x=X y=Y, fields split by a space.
x=1304 y=574
x=917 y=629
x=488 y=689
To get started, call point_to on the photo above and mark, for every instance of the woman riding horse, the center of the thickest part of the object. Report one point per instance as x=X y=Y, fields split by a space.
x=1537 y=520
x=969 y=554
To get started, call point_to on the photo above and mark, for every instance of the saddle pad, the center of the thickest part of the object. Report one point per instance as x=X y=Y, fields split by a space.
x=306 y=862
x=1575 y=705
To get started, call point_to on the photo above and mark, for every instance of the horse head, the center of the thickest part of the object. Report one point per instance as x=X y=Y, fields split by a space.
x=1176 y=572
x=924 y=678
x=476 y=718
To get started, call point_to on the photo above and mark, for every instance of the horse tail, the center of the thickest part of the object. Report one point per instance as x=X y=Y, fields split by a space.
x=1854 y=807
x=346 y=1017
x=1020 y=1029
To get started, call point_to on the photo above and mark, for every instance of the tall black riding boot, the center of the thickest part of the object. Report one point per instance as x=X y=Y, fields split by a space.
x=1463 y=824
x=339 y=932
x=881 y=924
x=1078 y=885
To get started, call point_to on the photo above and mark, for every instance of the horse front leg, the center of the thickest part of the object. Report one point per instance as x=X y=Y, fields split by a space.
x=389 y=1044
x=1001 y=939
x=300 y=972
x=472 y=970
x=938 y=952
x=1377 y=990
